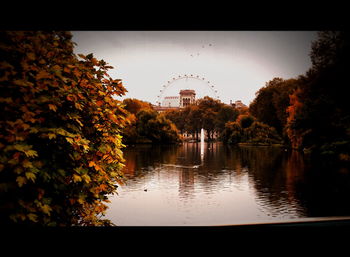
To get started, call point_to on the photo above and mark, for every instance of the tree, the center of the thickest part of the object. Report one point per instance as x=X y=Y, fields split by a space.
x=271 y=102
x=60 y=137
x=225 y=114
x=194 y=119
x=319 y=113
x=135 y=105
x=156 y=127
x=210 y=108
x=256 y=133
x=245 y=121
x=232 y=133
x=177 y=117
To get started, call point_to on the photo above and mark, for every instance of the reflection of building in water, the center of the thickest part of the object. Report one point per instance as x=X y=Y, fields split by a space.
x=188 y=155
x=186 y=183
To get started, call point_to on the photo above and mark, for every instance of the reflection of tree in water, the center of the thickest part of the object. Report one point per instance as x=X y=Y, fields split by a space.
x=284 y=182
x=186 y=183
x=142 y=158
x=325 y=190
x=289 y=180
x=274 y=173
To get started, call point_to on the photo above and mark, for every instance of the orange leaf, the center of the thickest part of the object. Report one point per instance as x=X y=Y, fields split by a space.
x=53 y=107
x=42 y=75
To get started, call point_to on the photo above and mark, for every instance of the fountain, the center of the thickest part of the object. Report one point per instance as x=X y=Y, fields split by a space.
x=202 y=143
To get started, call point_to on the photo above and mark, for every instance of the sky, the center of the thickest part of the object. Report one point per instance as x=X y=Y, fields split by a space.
x=236 y=63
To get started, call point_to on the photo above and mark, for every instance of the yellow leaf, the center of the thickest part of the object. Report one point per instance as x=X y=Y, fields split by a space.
x=86 y=178
x=80 y=200
x=86 y=147
x=33 y=217
x=51 y=135
x=31 y=176
x=21 y=181
x=77 y=120
x=69 y=140
x=46 y=209
x=78 y=106
x=31 y=153
x=27 y=164
x=76 y=178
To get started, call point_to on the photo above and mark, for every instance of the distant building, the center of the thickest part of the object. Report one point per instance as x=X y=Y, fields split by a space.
x=238 y=104
x=171 y=101
x=187 y=97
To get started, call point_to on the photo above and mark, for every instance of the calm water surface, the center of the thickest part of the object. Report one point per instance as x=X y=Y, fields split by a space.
x=177 y=186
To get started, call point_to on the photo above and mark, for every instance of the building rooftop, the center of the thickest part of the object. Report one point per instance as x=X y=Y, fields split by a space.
x=187 y=91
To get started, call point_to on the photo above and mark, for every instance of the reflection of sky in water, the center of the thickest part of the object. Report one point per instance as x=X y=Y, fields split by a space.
x=229 y=186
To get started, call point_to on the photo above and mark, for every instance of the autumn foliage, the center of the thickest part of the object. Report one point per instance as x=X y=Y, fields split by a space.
x=311 y=111
x=145 y=125
x=60 y=143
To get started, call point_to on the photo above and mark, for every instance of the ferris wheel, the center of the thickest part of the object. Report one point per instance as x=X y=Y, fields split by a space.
x=186 y=77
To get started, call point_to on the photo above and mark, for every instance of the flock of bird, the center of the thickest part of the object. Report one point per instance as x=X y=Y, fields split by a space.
x=203 y=46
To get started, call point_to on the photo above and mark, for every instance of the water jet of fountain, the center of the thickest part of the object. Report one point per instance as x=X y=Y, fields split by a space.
x=202 y=144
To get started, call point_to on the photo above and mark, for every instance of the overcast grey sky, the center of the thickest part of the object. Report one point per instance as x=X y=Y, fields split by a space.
x=237 y=63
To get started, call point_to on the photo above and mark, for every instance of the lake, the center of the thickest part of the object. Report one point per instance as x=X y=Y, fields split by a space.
x=176 y=185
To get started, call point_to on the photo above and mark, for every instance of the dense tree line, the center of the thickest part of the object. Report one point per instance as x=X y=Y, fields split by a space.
x=206 y=113
x=145 y=125
x=312 y=111
x=232 y=125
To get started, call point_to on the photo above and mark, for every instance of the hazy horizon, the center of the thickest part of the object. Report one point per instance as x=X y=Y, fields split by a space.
x=237 y=63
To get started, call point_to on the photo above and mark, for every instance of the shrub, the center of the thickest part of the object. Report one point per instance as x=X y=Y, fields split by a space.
x=59 y=133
